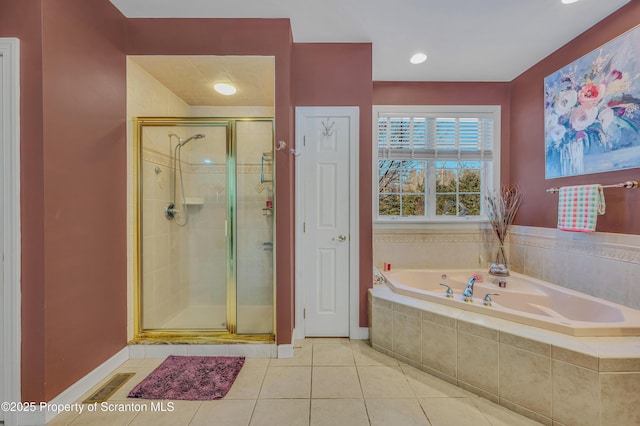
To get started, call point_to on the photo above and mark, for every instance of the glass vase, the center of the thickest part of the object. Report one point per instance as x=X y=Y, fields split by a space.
x=500 y=267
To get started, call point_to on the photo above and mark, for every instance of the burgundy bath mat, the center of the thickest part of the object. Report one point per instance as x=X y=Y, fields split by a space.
x=194 y=378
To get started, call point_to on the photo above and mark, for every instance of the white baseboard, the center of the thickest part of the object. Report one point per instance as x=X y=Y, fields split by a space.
x=298 y=334
x=286 y=351
x=75 y=391
x=361 y=333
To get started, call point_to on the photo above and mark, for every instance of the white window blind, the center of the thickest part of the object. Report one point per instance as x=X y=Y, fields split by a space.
x=463 y=138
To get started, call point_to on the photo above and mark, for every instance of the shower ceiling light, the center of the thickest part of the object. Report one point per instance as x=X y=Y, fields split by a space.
x=225 y=88
x=418 y=58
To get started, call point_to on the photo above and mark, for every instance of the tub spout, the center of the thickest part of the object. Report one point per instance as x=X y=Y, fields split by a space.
x=468 y=291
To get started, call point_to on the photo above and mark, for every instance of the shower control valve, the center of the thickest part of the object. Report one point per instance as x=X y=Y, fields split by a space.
x=170 y=211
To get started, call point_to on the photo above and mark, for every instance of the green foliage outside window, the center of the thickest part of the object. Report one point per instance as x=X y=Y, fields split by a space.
x=458 y=188
x=401 y=187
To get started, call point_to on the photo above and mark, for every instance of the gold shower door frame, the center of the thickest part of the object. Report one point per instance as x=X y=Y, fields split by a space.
x=142 y=335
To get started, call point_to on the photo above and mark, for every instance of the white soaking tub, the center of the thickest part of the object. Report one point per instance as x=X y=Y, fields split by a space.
x=524 y=300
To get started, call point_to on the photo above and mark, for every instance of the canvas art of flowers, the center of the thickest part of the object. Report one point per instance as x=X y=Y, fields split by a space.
x=592 y=111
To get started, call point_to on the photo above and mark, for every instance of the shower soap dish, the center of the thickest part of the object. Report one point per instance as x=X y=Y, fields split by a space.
x=194 y=201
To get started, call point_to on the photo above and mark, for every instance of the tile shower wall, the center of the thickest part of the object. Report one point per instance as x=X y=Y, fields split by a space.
x=161 y=260
x=255 y=227
x=204 y=173
x=254 y=238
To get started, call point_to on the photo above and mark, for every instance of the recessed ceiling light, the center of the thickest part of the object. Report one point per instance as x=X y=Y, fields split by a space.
x=225 y=88
x=418 y=58
x=569 y=1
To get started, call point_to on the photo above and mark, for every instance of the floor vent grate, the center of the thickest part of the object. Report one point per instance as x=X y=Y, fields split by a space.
x=109 y=388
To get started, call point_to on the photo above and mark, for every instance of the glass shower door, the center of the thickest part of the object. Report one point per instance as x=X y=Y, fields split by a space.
x=185 y=245
x=205 y=228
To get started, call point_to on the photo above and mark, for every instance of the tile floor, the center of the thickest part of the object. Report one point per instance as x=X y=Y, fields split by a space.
x=327 y=382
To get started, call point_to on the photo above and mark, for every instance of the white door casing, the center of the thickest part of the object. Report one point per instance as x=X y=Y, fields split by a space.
x=326 y=218
x=10 y=225
x=2 y=320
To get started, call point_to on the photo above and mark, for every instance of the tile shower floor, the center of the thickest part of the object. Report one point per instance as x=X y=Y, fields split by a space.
x=328 y=382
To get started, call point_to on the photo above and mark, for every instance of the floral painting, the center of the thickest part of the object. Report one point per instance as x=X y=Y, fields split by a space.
x=592 y=111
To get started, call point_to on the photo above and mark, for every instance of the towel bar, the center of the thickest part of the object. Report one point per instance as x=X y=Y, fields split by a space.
x=630 y=184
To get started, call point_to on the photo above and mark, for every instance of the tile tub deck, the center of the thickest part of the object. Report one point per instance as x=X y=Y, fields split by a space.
x=550 y=377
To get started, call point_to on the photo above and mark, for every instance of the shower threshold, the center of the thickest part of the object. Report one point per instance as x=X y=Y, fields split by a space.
x=205 y=324
x=225 y=339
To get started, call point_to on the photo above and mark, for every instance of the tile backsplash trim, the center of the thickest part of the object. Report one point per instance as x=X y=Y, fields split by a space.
x=619 y=247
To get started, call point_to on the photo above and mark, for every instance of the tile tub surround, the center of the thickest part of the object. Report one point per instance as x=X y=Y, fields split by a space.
x=432 y=248
x=547 y=376
x=600 y=264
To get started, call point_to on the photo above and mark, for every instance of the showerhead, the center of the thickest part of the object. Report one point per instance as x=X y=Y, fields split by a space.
x=184 y=142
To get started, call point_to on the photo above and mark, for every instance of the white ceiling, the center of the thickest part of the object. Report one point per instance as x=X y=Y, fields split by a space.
x=191 y=78
x=466 y=40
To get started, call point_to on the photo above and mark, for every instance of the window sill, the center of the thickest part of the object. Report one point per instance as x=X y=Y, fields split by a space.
x=438 y=224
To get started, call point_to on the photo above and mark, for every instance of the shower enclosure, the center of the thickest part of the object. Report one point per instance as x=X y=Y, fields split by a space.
x=204 y=228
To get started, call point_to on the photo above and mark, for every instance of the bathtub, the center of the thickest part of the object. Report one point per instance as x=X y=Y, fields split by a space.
x=524 y=300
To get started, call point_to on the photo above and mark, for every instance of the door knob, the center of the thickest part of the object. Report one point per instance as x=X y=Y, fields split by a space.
x=342 y=238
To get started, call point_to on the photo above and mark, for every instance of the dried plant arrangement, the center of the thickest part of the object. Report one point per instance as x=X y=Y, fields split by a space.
x=502 y=207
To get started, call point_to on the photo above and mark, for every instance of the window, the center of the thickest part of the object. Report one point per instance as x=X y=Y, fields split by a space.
x=434 y=163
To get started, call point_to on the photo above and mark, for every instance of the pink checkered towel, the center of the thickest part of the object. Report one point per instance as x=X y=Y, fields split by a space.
x=579 y=207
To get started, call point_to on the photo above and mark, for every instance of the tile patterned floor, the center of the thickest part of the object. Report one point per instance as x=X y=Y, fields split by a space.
x=329 y=382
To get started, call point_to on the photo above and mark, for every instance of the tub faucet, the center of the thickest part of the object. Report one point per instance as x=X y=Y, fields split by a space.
x=468 y=291
x=449 y=292
x=487 y=298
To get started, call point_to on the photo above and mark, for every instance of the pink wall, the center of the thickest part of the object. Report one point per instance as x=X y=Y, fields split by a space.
x=452 y=93
x=73 y=195
x=340 y=75
x=22 y=19
x=268 y=37
x=85 y=168
x=527 y=137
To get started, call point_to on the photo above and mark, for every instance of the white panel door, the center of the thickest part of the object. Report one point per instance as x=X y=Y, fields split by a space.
x=325 y=163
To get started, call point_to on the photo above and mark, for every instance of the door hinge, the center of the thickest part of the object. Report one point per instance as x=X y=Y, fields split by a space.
x=304 y=140
x=304 y=313
x=304 y=226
